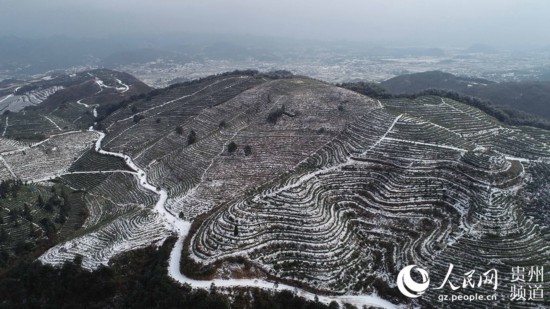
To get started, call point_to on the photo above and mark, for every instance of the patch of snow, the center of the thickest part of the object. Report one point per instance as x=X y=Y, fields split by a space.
x=6 y=97
x=124 y=87
x=5 y=127
x=53 y=122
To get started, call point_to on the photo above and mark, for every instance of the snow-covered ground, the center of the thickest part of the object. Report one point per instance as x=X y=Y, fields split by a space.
x=58 y=253
x=53 y=122
x=48 y=158
x=94 y=107
x=175 y=273
x=392 y=145
x=15 y=103
x=123 y=87
x=5 y=126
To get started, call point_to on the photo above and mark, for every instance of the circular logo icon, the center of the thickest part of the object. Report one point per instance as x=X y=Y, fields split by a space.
x=408 y=286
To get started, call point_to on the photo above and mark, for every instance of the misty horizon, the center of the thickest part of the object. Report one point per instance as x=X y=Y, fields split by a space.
x=501 y=24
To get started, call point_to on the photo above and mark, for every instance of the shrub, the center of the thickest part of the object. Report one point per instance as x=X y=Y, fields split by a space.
x=231 y=147
x=275 y=115
x=191 y=138
x=137 y=118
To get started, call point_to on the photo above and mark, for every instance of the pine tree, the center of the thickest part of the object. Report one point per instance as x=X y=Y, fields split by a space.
x=191 y=138
x=27 y=212
x=4 y=188
x=3 y=235
x=40 y=201
x=247 y=150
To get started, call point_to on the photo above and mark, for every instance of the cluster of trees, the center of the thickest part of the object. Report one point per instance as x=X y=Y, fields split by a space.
x=40 y=227
x=59 y=201
x=213 y=77
x=136 y=279
x=17 y=213
x=10 y=187
x=232 y=147
x=372 y=90
x=49 y=227
x=279 y=74
x=191 y=137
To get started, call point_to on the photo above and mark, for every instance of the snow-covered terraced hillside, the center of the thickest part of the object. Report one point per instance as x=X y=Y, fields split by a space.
x=130 y=231
x=49 y=158
x=15 y=103
x=394 y=189
x=217 y=175
x=42 y=107
x=325 y=188
x=7 y=145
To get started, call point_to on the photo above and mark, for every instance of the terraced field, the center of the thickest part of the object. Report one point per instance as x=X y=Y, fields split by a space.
x=49 y=158
x=296 y=181
x=36 y=109
x=16 y=103
x=426 y=182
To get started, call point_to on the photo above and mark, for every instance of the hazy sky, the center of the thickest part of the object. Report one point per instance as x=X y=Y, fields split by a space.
x=406 y=22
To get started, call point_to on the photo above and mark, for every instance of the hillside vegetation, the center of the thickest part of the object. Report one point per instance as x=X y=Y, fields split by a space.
x=530 y=97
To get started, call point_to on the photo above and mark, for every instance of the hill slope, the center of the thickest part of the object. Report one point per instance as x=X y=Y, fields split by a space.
x=38 y=108
x=530 y=97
